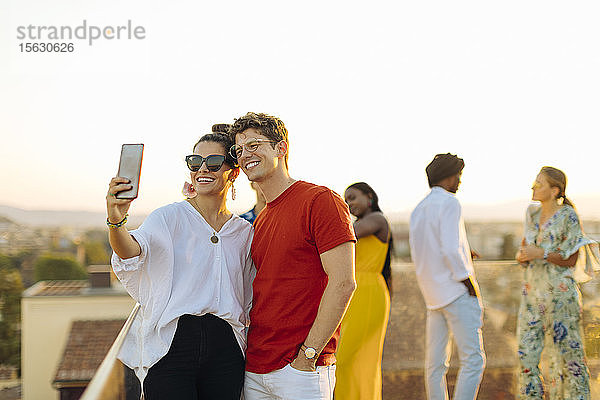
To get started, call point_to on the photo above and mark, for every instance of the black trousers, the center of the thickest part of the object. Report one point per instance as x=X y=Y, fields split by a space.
x=204 y=363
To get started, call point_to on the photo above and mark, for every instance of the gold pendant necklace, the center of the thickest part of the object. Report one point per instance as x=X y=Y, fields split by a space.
x=214 y=238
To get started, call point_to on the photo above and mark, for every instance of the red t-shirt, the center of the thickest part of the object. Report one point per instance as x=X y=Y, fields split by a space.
x=289 y=235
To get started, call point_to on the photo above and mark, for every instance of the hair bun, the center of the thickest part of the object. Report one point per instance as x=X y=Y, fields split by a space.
x=221 y=128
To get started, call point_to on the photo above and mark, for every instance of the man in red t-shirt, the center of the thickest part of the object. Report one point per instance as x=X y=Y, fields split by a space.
x=303 y=249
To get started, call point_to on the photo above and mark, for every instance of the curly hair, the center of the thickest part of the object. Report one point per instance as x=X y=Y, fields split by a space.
x=268 y=126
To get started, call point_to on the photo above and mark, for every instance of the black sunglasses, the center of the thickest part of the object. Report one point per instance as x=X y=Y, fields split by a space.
x=214 y=162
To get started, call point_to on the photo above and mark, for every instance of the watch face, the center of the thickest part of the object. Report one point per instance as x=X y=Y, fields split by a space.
x=310 y=352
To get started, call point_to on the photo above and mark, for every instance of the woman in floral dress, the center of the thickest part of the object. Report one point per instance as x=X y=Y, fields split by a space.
x=551 y=301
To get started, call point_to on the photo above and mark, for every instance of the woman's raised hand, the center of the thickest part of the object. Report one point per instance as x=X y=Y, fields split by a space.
x=116 y=209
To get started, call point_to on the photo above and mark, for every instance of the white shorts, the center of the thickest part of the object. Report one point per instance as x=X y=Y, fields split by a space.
x=291 y=384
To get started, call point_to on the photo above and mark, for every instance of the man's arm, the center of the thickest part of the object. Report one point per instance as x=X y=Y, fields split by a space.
x=338 y=264
x=450 y=226
x=450 y=241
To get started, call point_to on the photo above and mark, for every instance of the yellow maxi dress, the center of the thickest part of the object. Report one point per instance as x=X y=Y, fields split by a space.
x=358 y=371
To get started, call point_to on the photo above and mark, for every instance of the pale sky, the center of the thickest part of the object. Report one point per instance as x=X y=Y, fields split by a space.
x=369 y=91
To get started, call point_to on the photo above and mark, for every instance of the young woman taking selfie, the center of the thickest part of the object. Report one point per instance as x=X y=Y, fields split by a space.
x=189 y=267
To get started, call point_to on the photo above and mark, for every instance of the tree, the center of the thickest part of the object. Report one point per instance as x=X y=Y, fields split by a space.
x=6 y=262
x=11 y=288
x=95 y=253
x=58 y=267
x=23 y=262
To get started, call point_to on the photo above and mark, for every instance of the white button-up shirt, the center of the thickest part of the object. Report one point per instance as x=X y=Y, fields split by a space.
x=181 y=271
x=439 y=248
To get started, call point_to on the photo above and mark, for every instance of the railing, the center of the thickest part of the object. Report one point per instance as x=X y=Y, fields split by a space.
x=108 y=382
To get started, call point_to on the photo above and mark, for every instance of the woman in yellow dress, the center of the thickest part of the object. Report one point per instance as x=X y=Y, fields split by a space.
x=358 y=373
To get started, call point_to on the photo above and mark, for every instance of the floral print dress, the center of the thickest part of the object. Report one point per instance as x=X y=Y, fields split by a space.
x=551 y=305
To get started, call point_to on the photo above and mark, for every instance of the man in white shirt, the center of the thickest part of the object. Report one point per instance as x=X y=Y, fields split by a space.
x=445 y=274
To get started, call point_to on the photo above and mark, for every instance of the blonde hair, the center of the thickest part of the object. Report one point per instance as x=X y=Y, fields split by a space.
x=556 y=178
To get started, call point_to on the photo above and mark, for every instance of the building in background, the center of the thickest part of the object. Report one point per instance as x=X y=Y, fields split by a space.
x=55 y=315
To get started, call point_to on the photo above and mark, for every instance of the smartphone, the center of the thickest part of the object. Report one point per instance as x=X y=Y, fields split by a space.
x=130 y=167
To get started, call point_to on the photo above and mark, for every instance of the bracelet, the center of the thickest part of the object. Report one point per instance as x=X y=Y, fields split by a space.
x=546 y=252
x=118 y=224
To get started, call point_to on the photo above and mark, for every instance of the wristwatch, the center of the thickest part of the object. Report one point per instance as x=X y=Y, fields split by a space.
x=309 y=352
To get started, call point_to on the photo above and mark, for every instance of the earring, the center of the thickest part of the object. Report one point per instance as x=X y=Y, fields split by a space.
x=189 y=191
x=232 y=191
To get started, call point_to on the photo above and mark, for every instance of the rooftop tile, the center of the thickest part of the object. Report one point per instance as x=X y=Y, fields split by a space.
x=86 y=347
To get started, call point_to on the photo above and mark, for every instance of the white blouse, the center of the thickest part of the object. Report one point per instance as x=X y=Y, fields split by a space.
x=180 y=270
